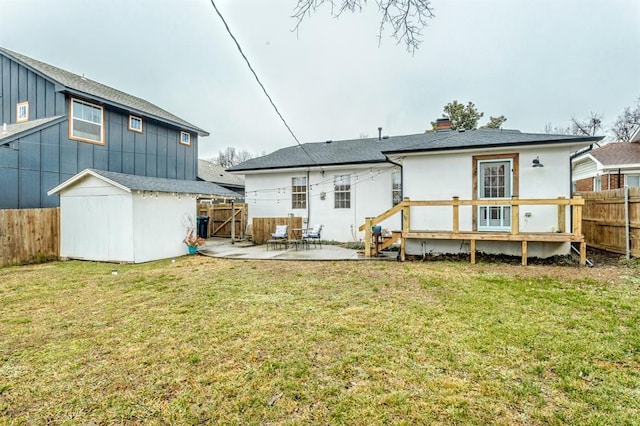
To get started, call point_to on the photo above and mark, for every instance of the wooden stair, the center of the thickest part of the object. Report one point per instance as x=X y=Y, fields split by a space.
x=384 y=242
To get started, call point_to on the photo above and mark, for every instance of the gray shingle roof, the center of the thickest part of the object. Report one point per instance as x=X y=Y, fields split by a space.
x=373 y=150
x=98 y=91
x=144 y=183
x=212 y=172
x=19 y=128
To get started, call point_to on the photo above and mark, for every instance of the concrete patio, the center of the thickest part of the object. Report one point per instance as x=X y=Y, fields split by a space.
x=223 y=248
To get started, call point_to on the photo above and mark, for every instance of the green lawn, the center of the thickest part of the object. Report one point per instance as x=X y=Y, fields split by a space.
x=270 y=342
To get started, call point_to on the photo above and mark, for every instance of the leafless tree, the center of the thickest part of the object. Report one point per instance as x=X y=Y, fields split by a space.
x=407 y=18
x=627 y=123
x=230 y=157
x=557 y=130
x=587 y=127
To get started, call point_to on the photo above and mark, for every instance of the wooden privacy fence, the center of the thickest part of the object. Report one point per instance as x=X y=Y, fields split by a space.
x=609 y=220
x=29 y=235
x=221 y=218
x=263 y=227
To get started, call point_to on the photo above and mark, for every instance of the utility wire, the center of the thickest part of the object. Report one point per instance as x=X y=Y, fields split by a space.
x=260 y=83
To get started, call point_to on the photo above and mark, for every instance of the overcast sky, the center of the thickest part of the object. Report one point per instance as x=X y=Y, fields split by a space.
x=534 y=61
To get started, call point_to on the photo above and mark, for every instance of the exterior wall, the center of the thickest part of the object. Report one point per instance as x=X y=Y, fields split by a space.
x=269 y=195
x=585 y=184
x=41 y=160
x=443 y=176
x=96 y=222
x=158 y=226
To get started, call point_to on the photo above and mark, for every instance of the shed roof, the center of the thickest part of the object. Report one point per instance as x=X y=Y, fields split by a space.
x=374 y=150
x=81 y=85
x=132 y=183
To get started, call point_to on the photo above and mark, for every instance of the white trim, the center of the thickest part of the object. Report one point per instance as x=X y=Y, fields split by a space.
x=502 y=207
x=24 y=104
x=72 y=119
x=86 y=172
x=182 y=132
x=141 y=130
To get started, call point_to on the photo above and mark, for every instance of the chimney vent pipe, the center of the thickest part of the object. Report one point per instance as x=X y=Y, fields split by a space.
x=379 y=133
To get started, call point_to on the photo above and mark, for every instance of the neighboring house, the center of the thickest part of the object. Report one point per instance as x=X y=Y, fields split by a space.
x=116 y=217
x=212 y=172
x=611 y=166
x=339 y=184
x=56 y=123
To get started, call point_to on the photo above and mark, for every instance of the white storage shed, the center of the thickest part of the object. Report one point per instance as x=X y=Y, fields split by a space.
x=116 y=217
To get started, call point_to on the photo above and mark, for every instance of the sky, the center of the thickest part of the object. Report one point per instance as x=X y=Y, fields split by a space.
x=534 y=61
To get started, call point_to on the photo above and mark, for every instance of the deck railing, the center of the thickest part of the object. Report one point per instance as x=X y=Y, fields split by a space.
x=562 y=203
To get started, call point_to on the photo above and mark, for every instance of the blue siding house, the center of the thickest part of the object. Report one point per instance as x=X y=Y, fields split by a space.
x=54 y=123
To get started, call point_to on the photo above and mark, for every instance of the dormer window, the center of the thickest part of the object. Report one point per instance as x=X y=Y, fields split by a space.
x=135 y=124
x=185 y=138
x=22 y=112
x=87 y=123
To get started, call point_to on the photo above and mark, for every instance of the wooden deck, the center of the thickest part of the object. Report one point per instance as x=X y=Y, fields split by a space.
x=576 y=236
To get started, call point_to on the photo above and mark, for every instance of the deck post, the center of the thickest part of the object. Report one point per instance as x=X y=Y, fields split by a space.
x=583 y=253
x=472 y=251
x=515 y=216
x=406 y=214
x=577 y=216
x=524 y=252
x=402 y=252
x=562 y=216
x=367 y=236
x=456 y=215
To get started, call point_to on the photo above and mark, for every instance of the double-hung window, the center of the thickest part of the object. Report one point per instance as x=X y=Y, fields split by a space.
x=299 y=192
x=495 y=181
x=342 y=192
x=87 y=123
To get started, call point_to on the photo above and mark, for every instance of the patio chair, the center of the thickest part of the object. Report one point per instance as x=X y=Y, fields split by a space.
x=313 y=235
x=279 y=237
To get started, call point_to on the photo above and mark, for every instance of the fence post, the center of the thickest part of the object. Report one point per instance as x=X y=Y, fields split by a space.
x=233 y=222
x=577 y=216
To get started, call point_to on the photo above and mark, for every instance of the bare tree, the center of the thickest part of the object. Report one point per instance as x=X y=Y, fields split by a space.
x=407 y=18
x=627 y=123
x=557 y=130
x=230 y=157
x=587 y=127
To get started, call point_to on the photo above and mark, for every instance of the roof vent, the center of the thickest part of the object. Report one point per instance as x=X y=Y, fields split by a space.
x=385 y=137
x=329 y=141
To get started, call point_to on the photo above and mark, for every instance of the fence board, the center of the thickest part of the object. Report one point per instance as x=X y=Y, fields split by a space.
x=220 y=219
x=29 y=235
x=263 y=227
x=604 y=222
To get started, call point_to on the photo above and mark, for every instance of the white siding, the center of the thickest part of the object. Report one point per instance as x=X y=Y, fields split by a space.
x=584 y=169
x=445 y=175
x=269 y=195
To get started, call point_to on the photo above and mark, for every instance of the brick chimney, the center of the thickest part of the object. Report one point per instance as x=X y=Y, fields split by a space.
x=443 y=124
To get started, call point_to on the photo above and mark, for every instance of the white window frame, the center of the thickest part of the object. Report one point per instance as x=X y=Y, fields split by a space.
x=72 y=119
x=299 y=192
x=134 y=119
x=342 y=192
x=22 y=112
x=396 y=188
x=597 y=183
x=501 y=213
x=185 y=141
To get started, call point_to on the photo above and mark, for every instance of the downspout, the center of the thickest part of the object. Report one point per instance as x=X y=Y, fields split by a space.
x=401 y=189
x=626 y=221
x=619 y=181
x=308 y=200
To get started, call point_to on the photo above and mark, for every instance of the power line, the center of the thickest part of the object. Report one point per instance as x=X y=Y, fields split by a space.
x=260 y=83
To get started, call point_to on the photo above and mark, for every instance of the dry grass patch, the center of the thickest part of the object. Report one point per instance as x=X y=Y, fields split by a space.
x=268 y=342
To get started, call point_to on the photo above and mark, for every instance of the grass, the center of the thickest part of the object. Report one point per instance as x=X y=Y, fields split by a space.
x=268 y=342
